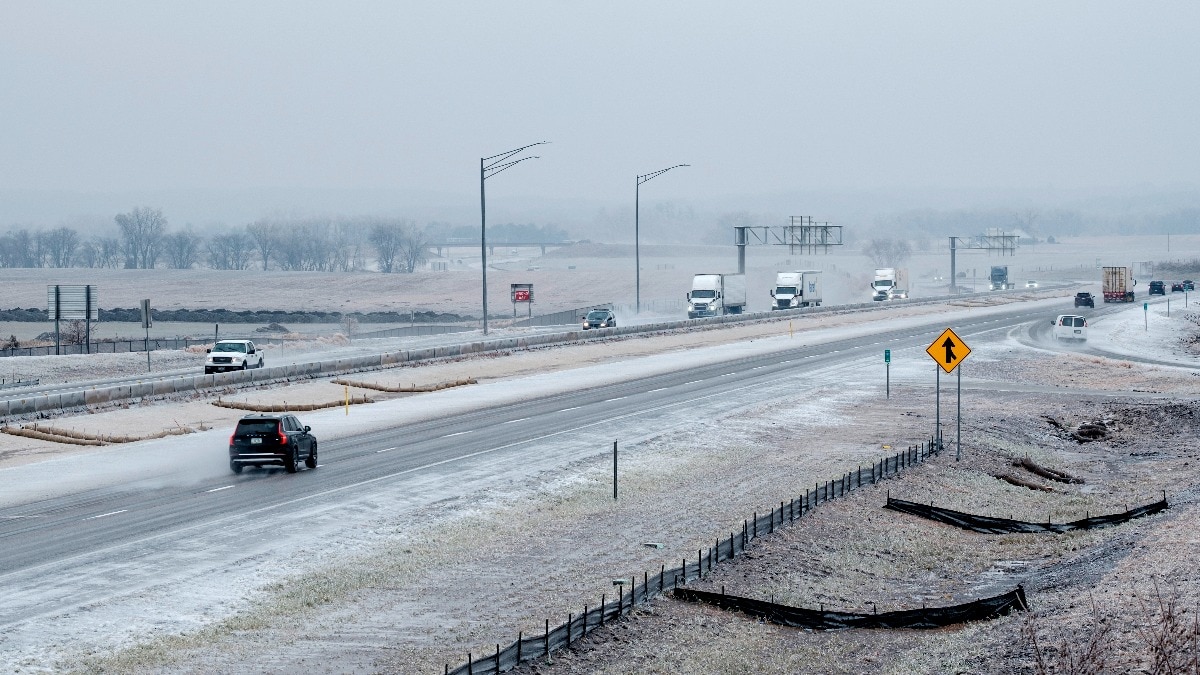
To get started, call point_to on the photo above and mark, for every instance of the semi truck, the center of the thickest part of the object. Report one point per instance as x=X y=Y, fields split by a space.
x=1000 y=280
x=1118 y=283
x=796 y=289
x=717 y=294
x=890 y=283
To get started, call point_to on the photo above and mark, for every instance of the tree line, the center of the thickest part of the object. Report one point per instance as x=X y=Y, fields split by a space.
x=143 y=240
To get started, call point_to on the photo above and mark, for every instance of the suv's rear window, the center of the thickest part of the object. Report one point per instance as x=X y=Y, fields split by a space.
x=257 y=426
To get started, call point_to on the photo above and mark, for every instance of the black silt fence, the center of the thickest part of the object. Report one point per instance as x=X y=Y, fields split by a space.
x=651 y=585
x=926 y=617
x=989 y=525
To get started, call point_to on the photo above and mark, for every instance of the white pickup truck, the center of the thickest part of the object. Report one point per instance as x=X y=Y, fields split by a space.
x=232 y=355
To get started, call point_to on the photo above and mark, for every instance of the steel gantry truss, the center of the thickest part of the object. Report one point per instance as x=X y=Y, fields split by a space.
x=801 y=236
x=1004 y=243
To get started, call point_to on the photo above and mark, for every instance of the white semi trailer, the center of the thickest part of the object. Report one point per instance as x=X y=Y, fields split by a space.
x=717 y=294
x=890 y=283
x=796 y=289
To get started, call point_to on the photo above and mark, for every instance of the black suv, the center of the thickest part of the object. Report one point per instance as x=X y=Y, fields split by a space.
x=279 y=440
x=599 y=318
x=1188 y=285
x=1082 y=299
x=1157 y=288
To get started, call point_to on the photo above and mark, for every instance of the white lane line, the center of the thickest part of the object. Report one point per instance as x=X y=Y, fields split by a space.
x=379 y=451
x=615 y=399
x=575 y=408
x=692 y=382
x=654 y=390
x=457 y=433
x=102 y=515
x=219 y=489
x=511 y=421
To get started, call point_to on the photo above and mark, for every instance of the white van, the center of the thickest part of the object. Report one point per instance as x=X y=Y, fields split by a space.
x=1070 y=327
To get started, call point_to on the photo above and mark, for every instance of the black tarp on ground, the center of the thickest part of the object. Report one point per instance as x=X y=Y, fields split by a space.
x=990 y=525
x=926 y=617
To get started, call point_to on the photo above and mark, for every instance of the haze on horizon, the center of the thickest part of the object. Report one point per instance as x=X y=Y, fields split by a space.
x=395 y=103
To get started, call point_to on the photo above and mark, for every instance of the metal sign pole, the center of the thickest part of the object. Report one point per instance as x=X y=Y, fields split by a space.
x=958 y=416
x=938 y=418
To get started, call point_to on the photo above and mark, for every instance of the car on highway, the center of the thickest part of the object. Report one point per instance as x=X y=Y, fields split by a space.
x=897 y=294
x=275 y=440
x=1085 y=300
x=1031 y=284
x=1177 y=287
x=1188 y=285
x=1157 y=288
x=232 y=355
x=1070 y=327
x=599 y=318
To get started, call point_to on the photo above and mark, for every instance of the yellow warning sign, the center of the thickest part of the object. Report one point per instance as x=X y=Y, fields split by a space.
x=948 y=350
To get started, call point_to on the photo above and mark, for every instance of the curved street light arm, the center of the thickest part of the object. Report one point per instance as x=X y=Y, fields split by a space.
x=655 y=174
x=493 y=169
x=500 y=158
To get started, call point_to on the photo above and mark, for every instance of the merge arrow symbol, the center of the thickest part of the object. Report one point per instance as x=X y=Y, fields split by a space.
x=949 y=345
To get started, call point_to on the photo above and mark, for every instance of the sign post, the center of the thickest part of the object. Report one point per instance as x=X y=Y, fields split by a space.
x=948 y=351
x=146 y=323
x=521 y=293
x=887 y=367
x=72 y=303
x=1146 y=315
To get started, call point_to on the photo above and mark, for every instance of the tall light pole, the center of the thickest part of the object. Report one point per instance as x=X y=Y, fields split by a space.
x=637 y=254
x=488 y=167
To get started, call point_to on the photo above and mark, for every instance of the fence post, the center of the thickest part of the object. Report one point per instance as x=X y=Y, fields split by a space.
x=756 y=524
x=662 y=572
x=547 y=637
x=470 y=665
x=519 y=635
x=585 y=610
x=570 y=618
x=497 y=657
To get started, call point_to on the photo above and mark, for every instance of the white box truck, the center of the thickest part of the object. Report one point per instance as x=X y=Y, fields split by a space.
x=717 y=294
x=891 y=283
x=796 y=289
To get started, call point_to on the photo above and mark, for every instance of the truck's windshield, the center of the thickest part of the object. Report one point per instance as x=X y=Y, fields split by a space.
x=230 y=347
x=702 y=294
x=785 y=290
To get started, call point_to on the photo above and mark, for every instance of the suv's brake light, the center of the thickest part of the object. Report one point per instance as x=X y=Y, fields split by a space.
x=282 y=436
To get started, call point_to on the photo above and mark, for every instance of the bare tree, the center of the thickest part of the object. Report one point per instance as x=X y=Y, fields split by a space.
x=888 y=252
x=230 y=251
x=60 y=246
x=74 y=332
x=266 y=236
x=414 y=245
x=386 y=237
x=142 y=231
x=182 y=249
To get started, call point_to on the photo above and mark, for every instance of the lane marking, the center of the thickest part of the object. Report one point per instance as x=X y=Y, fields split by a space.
x=654 y=390
x=607 y=400
x=102 y=515
x=457 y=433
x=511 y=421
x=575 y=408
x=219 y=489
x=379 y=451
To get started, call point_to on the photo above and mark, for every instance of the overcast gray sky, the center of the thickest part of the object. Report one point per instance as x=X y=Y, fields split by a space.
x=757 y=97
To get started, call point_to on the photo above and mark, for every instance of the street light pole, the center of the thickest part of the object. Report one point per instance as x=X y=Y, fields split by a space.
x=488 y=167
x=637 y=254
